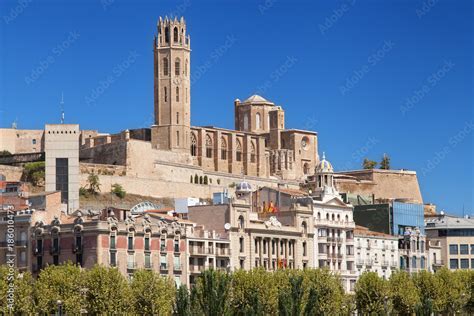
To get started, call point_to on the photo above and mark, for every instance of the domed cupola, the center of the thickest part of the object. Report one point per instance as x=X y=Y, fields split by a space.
x=324 y=174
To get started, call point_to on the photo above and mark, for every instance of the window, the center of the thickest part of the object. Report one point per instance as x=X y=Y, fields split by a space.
x=239 y=151
x=472 y=251
x=130 y=261
x=176 y=245
x=306 y=168
x=62 y=178
x=130 y=242
x=453 y=263
x=464 y=249
x=305 y=227
x=34 y=141
x=252 y=152
x=223 y=149
x=175 y=33
x=258 y=121
x=304 y=248
x=113 y=258
x=246 y=122
x=79 y=259
x=177 y=94
x=464 y=263
x=241 y=222
x=264 y=247
x=413 y=262
x=177 y=138
x=256 y=245
x=55 y=248
x=177 y=117
x=147 y=243
x=165 y=94
x=147 y=261
x=112 y=242
x=453 y=249
x=208 y=146
x=176 y=67
x=422 y=263
x=167 y=35
x=177 y=263
x=241 y=244
x=273 y=247
x=55 y=260
x=193 y=145
x=186 y=68
x=163 y=263
x=165 y=66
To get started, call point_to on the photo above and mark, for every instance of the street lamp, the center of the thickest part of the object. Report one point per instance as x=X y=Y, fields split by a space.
x=60 y=307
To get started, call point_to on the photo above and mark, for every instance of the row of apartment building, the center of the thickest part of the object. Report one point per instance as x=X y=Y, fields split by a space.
x=272 y=228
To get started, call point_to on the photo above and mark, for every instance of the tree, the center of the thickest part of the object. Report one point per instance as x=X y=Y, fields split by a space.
x=182 y=305
x=151 y=293
x=64 y=283
x=455 y=291
x=94 y=183
x=369 y=164
x=324 y=291
x=403 y=292
x=254 y=293
x=290 y=301
x=385 y=163
x=22 y=299
x=212 y=293
x=118 y=190
x=34 y=172
x=371 y=293
x=429 y=291
x=108 y=292
x=5 y=153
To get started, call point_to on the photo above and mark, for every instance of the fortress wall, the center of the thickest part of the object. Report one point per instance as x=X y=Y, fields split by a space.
x=11 y=173
x=384 y=184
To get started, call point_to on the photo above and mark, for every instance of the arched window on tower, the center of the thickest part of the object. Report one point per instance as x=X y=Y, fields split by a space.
x=176 y=35
x=165 y=93
x=167 y=35
x=258 y=121
x=186 y=68
x=177 y=138
x=246 y=122
x=177 y=66
x=208 y=146
x=193 y=146
x=223 y=149
x=177 y=94
x=238 y=150
x=306 y=168
x=252 y=152
x=165 y=66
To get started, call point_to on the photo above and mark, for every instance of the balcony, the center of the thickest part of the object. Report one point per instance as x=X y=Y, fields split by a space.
x=385 y=263
x=394 y=264
x=131 y=265
x=331 y=239
x=148 y=265
x=360 y=263
x=197 y=251
x=438 y=263
x=163 y=267
x=177 y=267
x=369 y=262
x=223 y=252
x=18 y=243
x=196 y=268
x=339 y=240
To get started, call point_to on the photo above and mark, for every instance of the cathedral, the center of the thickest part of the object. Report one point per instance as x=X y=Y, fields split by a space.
x=259 y=145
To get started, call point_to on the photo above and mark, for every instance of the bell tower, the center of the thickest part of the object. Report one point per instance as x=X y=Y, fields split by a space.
x=171 y=48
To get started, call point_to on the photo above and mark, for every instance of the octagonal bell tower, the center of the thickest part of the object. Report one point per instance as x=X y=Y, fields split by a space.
x=172 y=47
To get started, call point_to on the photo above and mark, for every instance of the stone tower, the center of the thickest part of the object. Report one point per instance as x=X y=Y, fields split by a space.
x=172 y=49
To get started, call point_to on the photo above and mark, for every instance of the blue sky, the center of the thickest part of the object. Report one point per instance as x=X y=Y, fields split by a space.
x=371 y=77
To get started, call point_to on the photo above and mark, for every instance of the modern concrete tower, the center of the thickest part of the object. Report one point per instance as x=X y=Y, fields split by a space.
x=172 y=49
x=61 y=146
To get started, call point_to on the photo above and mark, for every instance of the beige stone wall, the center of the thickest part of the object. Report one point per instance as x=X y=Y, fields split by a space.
x=384 y=184
x=19 y=141
x=11 y=173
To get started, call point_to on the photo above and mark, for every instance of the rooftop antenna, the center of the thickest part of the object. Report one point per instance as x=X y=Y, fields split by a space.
x=62 y=107
x=15 y=123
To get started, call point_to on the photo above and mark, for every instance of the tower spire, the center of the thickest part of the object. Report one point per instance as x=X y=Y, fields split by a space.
x=62 y=107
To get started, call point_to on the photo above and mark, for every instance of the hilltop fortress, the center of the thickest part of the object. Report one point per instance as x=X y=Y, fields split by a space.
x=173 y=158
